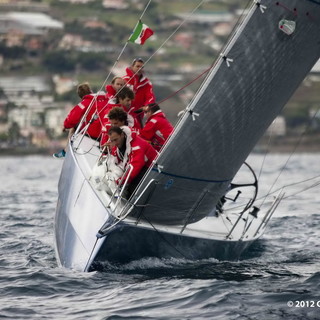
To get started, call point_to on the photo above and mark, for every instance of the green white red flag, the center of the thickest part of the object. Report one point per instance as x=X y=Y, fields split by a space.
x=141 y=33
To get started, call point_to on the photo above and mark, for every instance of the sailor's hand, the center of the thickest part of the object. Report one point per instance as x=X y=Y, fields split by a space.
x=145 y=109
x=106 y=147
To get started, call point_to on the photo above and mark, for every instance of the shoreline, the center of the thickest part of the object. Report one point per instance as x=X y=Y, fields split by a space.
x=259 y=148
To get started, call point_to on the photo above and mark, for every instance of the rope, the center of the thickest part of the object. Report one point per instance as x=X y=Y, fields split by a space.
x=110 y=72
x=303 y=190
x=280 y=188
x=124 y=47
x=168 y=38
x=163 y=238
x=265 y=155
x=188 y=84
x=294 y=11
x=91 y=254
x=175 y=31
x=146 y=62
x=213 y=64
x=291 y=155
x=293 y=184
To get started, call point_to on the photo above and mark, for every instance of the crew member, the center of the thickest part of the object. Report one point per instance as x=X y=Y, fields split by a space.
x=130 y=149
x=157 y=128
x=140 y=84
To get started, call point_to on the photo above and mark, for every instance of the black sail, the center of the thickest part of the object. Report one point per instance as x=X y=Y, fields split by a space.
x=264 y=62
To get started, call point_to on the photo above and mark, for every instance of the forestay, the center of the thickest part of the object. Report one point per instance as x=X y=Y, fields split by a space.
x=266 y=59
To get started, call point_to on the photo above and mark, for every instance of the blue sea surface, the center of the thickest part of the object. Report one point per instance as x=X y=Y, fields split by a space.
x=278 y=278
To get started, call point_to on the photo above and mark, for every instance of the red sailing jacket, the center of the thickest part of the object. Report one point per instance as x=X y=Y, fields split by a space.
x=142 y=88
x=133 y=123
x=157 y=130
x=110 y=91
x=97 y=103
x=139 y=153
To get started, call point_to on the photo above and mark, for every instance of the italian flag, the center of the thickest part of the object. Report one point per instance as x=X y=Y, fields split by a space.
x=141 y=33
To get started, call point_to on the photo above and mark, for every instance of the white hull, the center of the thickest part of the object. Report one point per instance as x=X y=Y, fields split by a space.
x=82 y=211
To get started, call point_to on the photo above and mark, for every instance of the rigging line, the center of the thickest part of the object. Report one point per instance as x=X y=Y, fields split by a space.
x=175 y=31
x=188 y=84
x=265 y=154
x=93 y=101
x=117 y=60
x=294 y=11
x=315 y=184
x=224 y=222
x=298 y=192
x=170 y=36
x=292 y=153
x=91 y=254
x=289 y=185
x=124 y=47
x=212 y=65
x=296 y=183
x=288 y=196
x=163 y=238
x=161 y=46
x=239 y=22
x=83 y=135
x=303 y=190
x=111 y=70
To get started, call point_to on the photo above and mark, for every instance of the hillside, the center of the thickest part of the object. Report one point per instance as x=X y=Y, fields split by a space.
x=183 y=47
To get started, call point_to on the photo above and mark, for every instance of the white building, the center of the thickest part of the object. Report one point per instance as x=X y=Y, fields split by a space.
x=14 y=86
x=115 y=4
x=207 y=17
x=36 y=20
x=35 y=105
x=54 y=118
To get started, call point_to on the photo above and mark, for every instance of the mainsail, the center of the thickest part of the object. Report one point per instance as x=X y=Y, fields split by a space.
x=264 y=62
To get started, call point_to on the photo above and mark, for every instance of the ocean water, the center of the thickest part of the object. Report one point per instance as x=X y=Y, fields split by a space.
x=278 y=278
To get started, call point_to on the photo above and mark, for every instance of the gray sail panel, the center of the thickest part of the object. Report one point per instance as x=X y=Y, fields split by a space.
x=234 y=108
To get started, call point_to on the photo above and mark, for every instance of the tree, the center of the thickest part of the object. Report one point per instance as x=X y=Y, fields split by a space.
x=15 y=52
x=14 y=133
x=59 y=61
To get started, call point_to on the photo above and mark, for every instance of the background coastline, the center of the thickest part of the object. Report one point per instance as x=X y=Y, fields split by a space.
x=289 y=144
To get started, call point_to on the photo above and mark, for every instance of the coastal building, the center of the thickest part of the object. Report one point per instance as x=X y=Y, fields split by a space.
x=35 y=110
x=54 y=117
x=209 y=17
x=15 y=86
x=27 y=23
x=64 y=84
x=24 y=5
x=115 y=4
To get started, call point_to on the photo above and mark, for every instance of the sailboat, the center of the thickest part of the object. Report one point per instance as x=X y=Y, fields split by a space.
x=180 y=207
